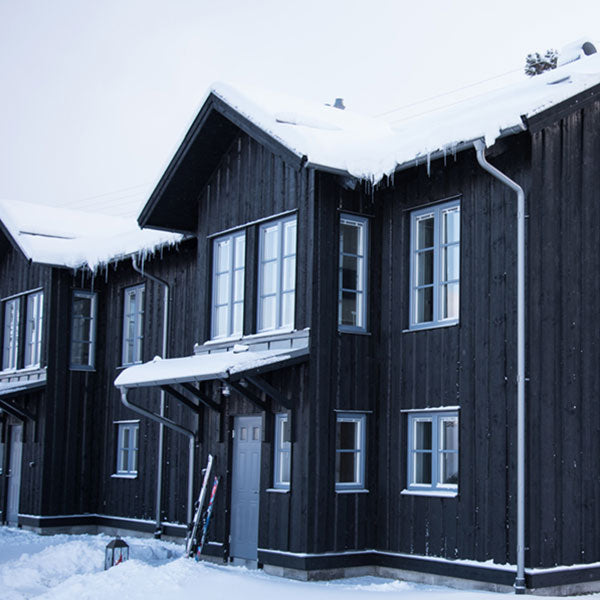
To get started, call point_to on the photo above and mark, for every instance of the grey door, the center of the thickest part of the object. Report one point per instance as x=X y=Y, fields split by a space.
x=245 y=486
x=14 y=474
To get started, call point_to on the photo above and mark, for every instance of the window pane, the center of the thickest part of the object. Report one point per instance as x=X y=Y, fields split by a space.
x=346 y=467
x=223 y=255
x=269 y=278
x=347 y=435
x=82 y=306
x=270 y=244
x=238 y=285
x=425 y=232
x=425 y=268
x=351 y=239
x=221 y=321
x=290 y=238
x=449 y=468
x=124 y=459
x=423 y=435
x=285 y=431
x=287 y=309
x=450 y=262
x=238 y=318
x=267 y=314
x=450 y=301
x=289 y=273
x=244 y=434
x=450 y=434
x=349 y=272
x=423 y=467
x=451 y=227
x=349 y=309
x=424 y=305
x=284 y=467
x=240 y=251
x=223 y=288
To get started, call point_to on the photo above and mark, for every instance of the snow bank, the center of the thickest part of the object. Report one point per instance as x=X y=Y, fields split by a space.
x=76 y=239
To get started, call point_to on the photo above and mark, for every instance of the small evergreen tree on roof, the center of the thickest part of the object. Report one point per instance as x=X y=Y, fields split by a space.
x=535 y=63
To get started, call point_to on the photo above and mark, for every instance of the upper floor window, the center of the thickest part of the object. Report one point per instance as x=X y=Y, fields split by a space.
x=83 y=330
x=229 y=257
x=10 y=345
x=133 y=325
x=435 y=265
x=433 y=451
x=283 y=452
x=352 y=295
x=277 y=274
x=33 y=329
x=350 y=451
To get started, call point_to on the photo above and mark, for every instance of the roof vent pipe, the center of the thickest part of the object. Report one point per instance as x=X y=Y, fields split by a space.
x=575 y=51
x=480 y=149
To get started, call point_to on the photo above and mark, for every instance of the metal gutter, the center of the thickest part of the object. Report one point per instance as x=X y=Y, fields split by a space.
x=479 y=145
x=171 y=425
x=161 y=427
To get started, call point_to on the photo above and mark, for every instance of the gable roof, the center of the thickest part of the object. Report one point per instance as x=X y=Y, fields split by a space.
x=74 y=238
x=345 y=142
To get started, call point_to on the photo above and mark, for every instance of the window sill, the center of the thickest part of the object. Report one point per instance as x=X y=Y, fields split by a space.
x=431 y=493
x=431 y=326
x=124 y=476
x=82 y=368
x=354 y=331
x=352 y=491
x=278 y=490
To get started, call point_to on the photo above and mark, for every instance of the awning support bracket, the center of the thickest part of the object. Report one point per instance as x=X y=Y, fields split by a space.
x=20 y=413
x=247 y=394
x=176 y=394
x=206 y=400
x=270 y=391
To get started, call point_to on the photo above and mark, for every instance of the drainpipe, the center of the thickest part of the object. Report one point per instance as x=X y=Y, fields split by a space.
x=480 y=149
x=171 y=425
x=161 y=428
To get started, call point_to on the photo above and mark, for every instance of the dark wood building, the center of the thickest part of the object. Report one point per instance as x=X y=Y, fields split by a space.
x=354 y=344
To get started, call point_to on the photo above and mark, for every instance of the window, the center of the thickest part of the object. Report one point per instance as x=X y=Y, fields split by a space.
x=33 y=329
x=127 y=448
x=435 y=265
x=352 y=297
x=350 y=451
x=283 y=452
x=133 y=325
x=229 y=257
x=433 y=451
x=277 y=274
x=10 y=346
x=83 y=330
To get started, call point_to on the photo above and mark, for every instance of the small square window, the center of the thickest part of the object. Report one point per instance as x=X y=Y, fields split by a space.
x=435 y=265
x=350 y=451
x=127 y=448
x=283 y=452
x=433 y=451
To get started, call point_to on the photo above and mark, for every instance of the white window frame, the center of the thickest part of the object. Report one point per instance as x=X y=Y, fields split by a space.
x=360 y=420
x=439 y=247
x=91 y=329
x=127 y=463
x=34 y=324
x=10 y=336
x=234 y=271
x=280 y=291
x=437 y=419
x=283 y=453
x=137 y=319
x=361 y=257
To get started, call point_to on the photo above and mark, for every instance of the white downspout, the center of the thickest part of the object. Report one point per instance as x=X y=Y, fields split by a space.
x=161 y=427
x=480 y=150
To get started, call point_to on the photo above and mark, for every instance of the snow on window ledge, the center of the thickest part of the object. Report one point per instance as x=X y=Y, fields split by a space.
x=434 y=493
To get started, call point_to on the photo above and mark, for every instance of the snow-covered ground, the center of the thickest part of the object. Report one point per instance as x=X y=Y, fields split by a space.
x=70 y=567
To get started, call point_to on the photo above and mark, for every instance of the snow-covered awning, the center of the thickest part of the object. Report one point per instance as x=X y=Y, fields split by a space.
x=229 y=365
x=14 y=388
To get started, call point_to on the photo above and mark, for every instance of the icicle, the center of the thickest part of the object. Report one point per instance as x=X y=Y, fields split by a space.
x=428 y=164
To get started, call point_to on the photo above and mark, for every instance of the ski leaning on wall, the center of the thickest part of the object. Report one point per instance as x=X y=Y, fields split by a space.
x=207 y=517
x=192 y=542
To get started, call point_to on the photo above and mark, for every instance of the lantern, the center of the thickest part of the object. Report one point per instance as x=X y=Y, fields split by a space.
x=117 y=551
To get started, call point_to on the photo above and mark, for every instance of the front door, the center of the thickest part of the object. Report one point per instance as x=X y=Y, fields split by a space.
x=245 y=486
x=14 y=475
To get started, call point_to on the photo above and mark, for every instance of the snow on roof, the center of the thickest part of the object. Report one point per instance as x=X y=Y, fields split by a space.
x=370 y=147
x=77 y=239
x=203 y=367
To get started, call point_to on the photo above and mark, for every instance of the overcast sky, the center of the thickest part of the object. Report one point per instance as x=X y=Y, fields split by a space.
x=96 y=94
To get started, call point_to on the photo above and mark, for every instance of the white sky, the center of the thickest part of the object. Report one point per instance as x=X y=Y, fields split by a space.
x=95 y=95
